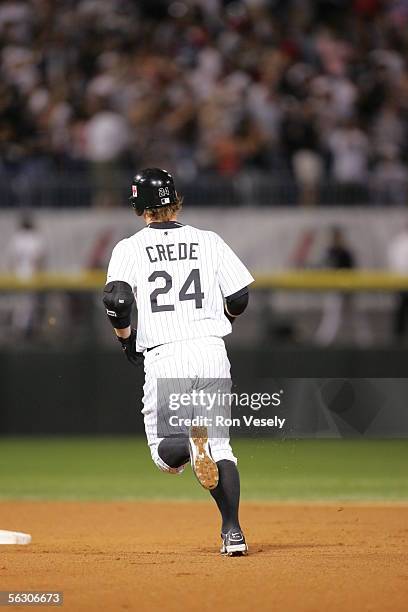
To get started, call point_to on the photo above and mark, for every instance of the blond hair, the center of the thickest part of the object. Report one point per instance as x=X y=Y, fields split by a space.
x=164 y=213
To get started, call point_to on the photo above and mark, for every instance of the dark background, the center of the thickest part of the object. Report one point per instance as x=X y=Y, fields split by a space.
x=83 y=391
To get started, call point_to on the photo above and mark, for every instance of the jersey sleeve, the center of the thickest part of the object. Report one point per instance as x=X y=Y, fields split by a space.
x=232 y=274
x=122 y=266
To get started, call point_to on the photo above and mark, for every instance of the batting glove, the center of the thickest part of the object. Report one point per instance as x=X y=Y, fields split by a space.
x=129 y=348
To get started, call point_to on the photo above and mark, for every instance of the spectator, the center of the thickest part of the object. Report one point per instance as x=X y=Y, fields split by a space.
x=398 y=264
x=106 y=142
x=340 y=307
x=338 y=255
x=26 y=256
x=389 y=179
x=349 y=148
x=301 y=142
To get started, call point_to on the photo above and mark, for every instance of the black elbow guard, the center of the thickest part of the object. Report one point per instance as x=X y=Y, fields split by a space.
x=235 y=304
x=118 y=298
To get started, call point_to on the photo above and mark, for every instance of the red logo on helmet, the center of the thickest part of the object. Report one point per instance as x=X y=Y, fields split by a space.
x=134 y=191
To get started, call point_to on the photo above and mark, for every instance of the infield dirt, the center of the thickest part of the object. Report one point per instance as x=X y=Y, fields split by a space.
x=164 y=556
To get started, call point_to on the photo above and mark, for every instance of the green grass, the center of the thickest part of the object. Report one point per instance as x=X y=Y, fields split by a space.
x=120 y=468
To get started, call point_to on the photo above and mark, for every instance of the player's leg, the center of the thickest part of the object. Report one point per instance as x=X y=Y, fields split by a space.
x=168 y=445
x=214 y=370
x=227 y=494
x=174 y=451
x=227 y=497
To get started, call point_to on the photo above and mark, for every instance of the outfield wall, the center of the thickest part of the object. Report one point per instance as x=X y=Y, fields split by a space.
x=267 y=239
x=327 y=393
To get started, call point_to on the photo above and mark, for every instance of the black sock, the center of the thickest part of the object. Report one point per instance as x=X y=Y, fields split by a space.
x=226 y=494
x=174 y=452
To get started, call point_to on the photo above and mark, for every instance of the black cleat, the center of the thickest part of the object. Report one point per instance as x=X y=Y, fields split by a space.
x=233 y=543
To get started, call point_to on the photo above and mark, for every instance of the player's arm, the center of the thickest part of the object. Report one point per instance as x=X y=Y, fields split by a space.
x=236 y=303
x=119 y=300
x=234 y=279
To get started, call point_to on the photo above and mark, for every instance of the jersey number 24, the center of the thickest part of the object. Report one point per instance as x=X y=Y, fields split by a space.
x=193 y=280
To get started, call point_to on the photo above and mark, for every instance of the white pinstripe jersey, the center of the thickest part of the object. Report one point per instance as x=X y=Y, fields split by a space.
x=180 y=276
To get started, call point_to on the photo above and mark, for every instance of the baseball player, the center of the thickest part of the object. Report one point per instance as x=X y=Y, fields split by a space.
x=188 y=286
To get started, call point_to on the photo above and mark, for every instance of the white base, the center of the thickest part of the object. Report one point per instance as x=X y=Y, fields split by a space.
x=14 y=537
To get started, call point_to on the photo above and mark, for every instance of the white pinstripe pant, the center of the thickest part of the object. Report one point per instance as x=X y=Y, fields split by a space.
x=194 y=363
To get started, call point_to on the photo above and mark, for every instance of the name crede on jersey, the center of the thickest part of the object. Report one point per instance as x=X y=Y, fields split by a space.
x=180 y=276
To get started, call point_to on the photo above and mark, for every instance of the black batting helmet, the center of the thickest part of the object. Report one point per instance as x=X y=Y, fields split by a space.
x=152 y=188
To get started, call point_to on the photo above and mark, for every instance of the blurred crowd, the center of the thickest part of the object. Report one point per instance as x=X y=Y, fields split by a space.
x=308 y=91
